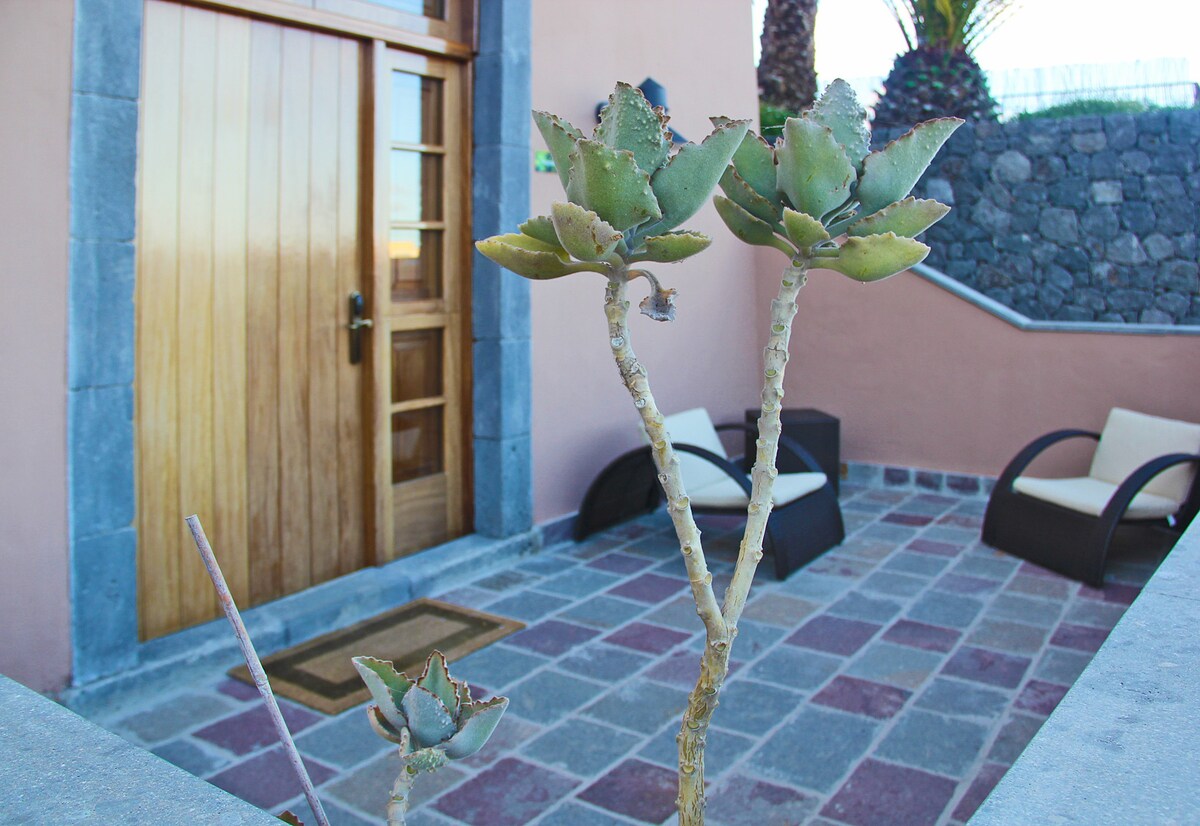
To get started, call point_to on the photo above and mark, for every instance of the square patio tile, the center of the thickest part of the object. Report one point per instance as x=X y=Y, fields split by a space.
x=819 y=588
x=1032 y=611
x=344 y=741
x=1039 y=586
x=935 y=743
x=580 y=582
x=368 y=787
x=814 y=750
x=602 y=612
x=505 y=580
x=548 y=696
x=863 y=697
x=647 y=638
x=881 y=793
x=581 y=747
x=649 y=588
x=252 y=729
x=640 y=707
x=948 y=610
x=846 y=567
x=929 y=546
x=741 y=800
x=970 y=585
x=963 y=699
x=510 y=735
x=859 y=606
x=177 y=715
x=894 y=584
x=980 y=788
x=754 y=638
x=239 y=690
x=607 y=663
x=619 y=563
x=552 y=638
x=511 y=793
x=1014 y=736
x=990 y=667
x=920 y=635
x=1014 y=637
x=1098 y=614
x=636 y=789
x=722 y=749
x=679 y=613
x=1079 y=637
x=986 y=567
x=1111 y=592
x=895 y=665
x=866 y=548
x=497 y=666
x=915 y=520
x=917 y=564
x=754 y=708
x=795 y=669
x=1059 y=665
x=834 y=635
x=572 y=813
x=778 y=609
x=1038 y=697
x=527 y=605
x=191 y=757
x=267 y=779
x=547 y=564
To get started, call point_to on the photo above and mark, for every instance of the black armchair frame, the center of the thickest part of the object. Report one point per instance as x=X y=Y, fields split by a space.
x=797 y=532
x=1072 y=543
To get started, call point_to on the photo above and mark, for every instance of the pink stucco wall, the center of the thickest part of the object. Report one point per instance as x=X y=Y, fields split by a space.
x=701 y=51
x=922 y=378
x=35 y=49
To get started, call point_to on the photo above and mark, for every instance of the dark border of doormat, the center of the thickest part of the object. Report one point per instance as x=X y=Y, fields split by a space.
x=289 y=679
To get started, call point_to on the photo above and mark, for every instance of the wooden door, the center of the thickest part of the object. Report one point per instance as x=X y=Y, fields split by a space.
x=422 y=191
x=250 y=238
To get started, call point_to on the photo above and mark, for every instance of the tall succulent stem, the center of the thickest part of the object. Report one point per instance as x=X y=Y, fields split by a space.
x=714 y=663
x=616 y=309
x=425 y=760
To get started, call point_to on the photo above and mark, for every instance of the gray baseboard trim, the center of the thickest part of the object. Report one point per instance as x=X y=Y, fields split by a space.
x=897 y=477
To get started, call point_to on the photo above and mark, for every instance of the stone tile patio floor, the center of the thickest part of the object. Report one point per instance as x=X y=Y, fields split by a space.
x=892 y=681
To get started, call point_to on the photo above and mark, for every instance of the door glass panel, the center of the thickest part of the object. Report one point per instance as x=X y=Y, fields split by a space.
x=416 y=260
x=425 y=8
x=416 y=109
x=416 y=186
x=416 y=444
x=416 y=365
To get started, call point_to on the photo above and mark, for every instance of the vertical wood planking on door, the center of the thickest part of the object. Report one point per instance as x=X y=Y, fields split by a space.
x=262 y=297
x=157 y=405
x=294 y=163
x=353 y=452
x=230 y=533
x=195 y=309
x=326 y=307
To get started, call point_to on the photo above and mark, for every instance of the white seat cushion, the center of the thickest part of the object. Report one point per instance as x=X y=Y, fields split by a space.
x=1131 y=439
x=1088 y=495
x=726 y=493
x=694 y=427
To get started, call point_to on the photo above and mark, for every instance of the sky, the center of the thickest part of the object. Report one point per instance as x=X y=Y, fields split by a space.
x=859 y=38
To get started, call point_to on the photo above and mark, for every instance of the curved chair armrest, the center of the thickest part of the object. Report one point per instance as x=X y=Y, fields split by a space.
x=731 y=470
x=790 y=445
x=1031 y=451
x=1133 y=484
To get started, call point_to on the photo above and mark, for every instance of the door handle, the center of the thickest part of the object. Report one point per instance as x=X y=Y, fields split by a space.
x=356 y=326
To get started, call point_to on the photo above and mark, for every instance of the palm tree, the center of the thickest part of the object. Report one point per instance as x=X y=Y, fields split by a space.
x=787 y=76
x=938 y=76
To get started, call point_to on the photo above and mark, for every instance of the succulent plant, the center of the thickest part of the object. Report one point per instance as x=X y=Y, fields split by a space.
x=821 y=180
x=626 y=195
x=432 y=719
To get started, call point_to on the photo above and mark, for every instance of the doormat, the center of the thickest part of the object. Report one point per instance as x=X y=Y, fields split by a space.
x=319 y=673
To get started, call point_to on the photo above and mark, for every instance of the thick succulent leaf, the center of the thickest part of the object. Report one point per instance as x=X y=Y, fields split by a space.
x=684 y=184
x=802 y=229
x=744 y=225
x=630 y=122
x=475 y=730
x=742 y=194
x=436 y=679
x=754 y=161
x=541 y=228
x=907 y=218
x=673 y=246
x=387 y=687
x=582 y=232
x=560 y=137
x=529 y=257
x=429 y=720
x=384 y=728
x=840 y=110
x=464 y=697
x=813 y=171
x=890 y=174
x=609 y=182
x=875 y=257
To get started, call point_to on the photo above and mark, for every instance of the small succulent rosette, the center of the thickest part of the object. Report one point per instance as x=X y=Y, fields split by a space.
x=822 y=179
x=626 y=194
x=435 y=711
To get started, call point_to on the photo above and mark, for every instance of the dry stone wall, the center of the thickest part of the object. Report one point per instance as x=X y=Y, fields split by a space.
x=1077 y=219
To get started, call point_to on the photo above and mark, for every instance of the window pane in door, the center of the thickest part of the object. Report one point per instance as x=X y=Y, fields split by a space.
x=416 y=364
x=416 y=260
x=416 y=444
x=416 y=186
x=425 y=8
x=416 y=109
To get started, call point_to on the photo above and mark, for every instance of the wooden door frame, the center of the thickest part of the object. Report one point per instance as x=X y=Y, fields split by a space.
x=101 y=489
